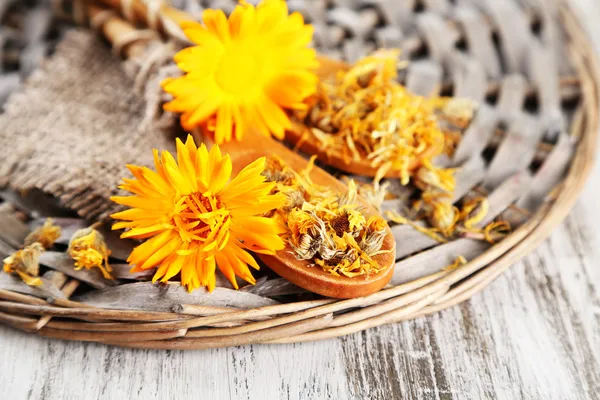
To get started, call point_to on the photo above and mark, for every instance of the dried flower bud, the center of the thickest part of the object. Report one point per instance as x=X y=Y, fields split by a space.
x=372 y=243
x=25 y=263
x=88 y=248
x=374 y=194
x=300 y=222
x=459 y=110
x=46 y=234
x=428 y=176
x=306 y=247
x=294 y=199
x=444 y=216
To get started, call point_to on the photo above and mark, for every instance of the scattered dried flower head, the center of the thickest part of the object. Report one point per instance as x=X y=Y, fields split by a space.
x=325 y=227
x=447 y=221
x=459 y=111
x=88 y=249
x=25 y=264
x=46 y=234
x=196 y=219
x=364 y=113
x=244 y=71
x=374 y=193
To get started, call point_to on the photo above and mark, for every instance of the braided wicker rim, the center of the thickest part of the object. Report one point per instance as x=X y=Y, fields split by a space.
x=327 y=318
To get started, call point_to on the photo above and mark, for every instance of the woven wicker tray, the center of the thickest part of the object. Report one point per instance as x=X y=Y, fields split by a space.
x=530 y=149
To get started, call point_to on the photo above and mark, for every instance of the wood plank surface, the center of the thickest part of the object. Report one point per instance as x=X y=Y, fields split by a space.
x=534 y=333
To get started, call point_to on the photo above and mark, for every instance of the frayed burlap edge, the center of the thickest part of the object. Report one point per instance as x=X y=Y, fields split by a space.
x=76 y=124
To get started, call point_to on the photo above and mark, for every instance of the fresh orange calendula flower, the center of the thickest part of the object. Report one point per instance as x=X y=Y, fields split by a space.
x=196 y=219
x=243 y=72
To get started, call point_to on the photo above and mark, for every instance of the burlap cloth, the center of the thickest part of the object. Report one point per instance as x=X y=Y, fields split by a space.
x=74 y=126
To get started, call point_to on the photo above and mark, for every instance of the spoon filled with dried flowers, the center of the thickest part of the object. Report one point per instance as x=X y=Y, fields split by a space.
x=334 y=243
x=363 y=121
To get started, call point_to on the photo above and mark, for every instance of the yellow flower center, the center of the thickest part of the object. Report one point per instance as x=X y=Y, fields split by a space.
x=240 y=71
x=199 y=217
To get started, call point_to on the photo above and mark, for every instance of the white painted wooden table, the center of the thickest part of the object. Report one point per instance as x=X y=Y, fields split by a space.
x=533 y=334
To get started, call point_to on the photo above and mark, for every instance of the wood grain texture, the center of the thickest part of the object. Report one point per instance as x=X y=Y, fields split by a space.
x=534 y=333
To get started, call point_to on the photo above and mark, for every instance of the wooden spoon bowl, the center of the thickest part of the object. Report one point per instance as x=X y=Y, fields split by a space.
x=304 y=273
x=363 y=166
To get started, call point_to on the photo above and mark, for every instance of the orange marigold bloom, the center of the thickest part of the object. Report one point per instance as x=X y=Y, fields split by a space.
x=195 y=219
x=244 y=71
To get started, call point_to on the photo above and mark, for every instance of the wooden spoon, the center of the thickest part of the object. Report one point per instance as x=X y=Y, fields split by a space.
x=302 y=272
x=284 y=263
x=170 y=18
x=297 y=135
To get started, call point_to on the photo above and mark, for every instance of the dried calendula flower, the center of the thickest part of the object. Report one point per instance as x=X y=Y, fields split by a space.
x=364 y=113
x=25 y=263
x=443 y=217
x=459 y=110
x=447 y=221
x=437 y=208
x=430 y=177
x=46 y=234
x=435 y=215
x=374 y=193
x=88 y=248
x=325 y=227
x=371 y=239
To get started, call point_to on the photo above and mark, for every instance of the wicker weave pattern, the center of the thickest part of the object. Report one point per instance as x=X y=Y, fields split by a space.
x=25 y=38
x=537 y=86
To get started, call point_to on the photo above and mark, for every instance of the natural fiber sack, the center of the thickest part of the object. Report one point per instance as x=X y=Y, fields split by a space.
x=75 y=126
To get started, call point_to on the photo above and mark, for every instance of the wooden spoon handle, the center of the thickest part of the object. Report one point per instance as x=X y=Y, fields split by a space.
x=256 y=145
